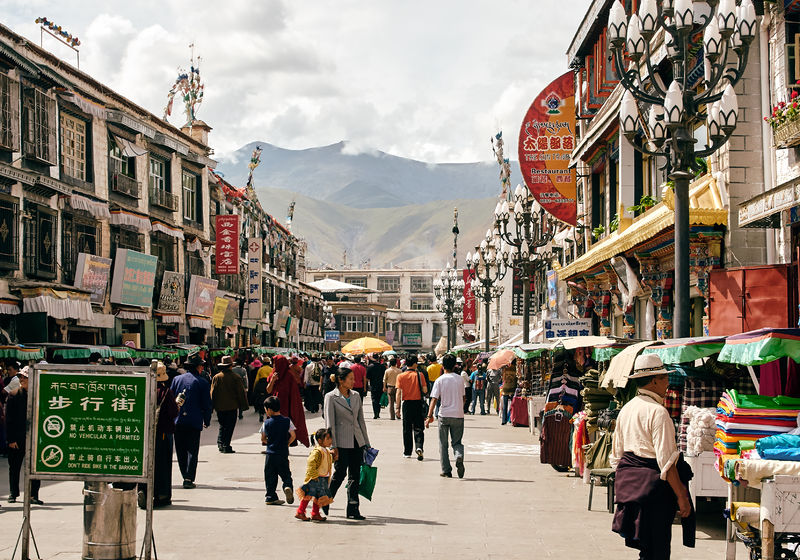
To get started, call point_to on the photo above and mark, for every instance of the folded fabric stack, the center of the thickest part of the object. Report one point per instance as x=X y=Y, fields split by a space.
x=595 y=399
x=701 y=430
x=742 y=418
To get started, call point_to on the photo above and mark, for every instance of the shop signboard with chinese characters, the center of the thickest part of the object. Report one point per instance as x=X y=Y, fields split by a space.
x=562 y=328
x=202 y=296
x=517 y=303
x=469 y=299
x=134 y=276
x=91 y=422
x=227 y=249
x=331 y=336
x=546 y=141
x=220 y=307
x=254 y=252
x=170 y=298
x=92 y=273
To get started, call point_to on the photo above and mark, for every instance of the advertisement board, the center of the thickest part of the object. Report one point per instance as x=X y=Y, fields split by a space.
x=92 y=273
x=134 y=276
x=227 y=247
x=517 y=302
x=546 y=142
x=552 y=290
x=561 y=328
x=218 y=314
x=202 y=296
x=170 y=299
x=412 y=339
x=470 y=316
x=254 y=252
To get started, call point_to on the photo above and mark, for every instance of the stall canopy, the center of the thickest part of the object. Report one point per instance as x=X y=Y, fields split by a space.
x=604 y=352
x=470 y=348
x=622 y=364
x=22 y=353
x=365 y=345
x=759 y=347
x=573 y=342
x=528 y=351
x=78 y=352
x=682 y=350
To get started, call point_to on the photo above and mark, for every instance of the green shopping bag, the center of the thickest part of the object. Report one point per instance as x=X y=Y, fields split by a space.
x=384 y=400
x=367 y=484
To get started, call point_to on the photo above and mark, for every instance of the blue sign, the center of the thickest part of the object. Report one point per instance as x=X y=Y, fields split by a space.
x=331 y=336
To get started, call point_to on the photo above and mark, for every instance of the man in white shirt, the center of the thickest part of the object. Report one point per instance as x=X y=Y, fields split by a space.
x=651 y=476
x=448 y=391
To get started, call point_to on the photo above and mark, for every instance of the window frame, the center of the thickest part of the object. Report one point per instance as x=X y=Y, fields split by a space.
x=39 y=126
x=426 y=288
x=360 y=281
x=11 y=261
x=9 y=112
x=384 y=280
x=69 y=116
x=196 y=198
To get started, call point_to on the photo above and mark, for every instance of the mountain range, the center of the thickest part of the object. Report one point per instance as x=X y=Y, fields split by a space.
x=370 y=209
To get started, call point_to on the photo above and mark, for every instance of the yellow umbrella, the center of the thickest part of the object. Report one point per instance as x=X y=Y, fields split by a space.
x=365 y=345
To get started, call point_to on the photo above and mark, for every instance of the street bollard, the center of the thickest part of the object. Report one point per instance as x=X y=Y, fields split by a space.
x=109 y=522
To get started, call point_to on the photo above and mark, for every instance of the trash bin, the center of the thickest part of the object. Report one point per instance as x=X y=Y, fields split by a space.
x=109 y=522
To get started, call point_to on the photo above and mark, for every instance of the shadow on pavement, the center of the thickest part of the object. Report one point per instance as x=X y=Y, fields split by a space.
x=379 y=520
x=469 y=479
x=206 y=508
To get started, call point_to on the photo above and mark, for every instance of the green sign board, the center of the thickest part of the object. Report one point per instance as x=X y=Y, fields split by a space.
x=90 y=423
x=134 y=276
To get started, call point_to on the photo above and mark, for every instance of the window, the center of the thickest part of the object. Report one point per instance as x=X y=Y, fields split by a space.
x=159 y=184
x=421 y=284
x=39 y=126
x=121 y=171
x=118 y=162
x=40 y=230
x=193 y=265
x=158 y=174
x=392 y=302
x=353 y=323
x=123 y=238
x=360 y=281
x=9 y=232
x=438 y=331
x=421 y=304
x=192 y=201
x=9 y=112
x=389 y=284
x=412 y=328
x=73 y=147
x=369 y=323
x=412 y=334
x=79 y=235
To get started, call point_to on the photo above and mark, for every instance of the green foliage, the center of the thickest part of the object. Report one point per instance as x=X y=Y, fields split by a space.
x=645 y=203
x=598 y=231
x=614 y=225
x=702 y=167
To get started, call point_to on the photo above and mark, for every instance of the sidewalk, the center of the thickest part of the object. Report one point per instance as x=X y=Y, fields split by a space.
x=508 y=505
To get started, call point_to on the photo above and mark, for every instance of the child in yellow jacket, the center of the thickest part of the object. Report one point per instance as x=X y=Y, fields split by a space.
x=315 y=484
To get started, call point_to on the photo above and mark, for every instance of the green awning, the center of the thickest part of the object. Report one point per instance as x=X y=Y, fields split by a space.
x=605 y=353
x=762 y=346
x=153 y=354
x=81 y=352
x=528 y=351
x=683 y=350
x=22 y=353
x=217 y=352
x=121 y=352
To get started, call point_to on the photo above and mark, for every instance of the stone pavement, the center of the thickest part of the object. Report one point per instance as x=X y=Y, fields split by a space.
x=508 y=506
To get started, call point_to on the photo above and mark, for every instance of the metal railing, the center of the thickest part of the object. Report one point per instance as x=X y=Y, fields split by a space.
x=164 y=199
x=121 y=183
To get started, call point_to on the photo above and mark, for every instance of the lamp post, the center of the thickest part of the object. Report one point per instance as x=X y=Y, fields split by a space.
x=674 y=112
x=449 y=291
x=488 y=268
x=532 y=229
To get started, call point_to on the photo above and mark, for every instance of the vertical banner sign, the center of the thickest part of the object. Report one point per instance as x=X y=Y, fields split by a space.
x=546 y=141
x=227 y=251
x=552 y=290
x=469 y=300
x=517 y=303
x=254 y=252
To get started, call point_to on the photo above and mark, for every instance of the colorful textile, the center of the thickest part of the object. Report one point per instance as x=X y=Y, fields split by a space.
x=752 y=417
x=672 y=402
x=783 y=447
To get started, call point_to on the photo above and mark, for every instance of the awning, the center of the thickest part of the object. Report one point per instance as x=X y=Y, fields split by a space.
x=573 y=342
x=682 y=350
x=761 y=346
x=705 y=208
x=133 y=314
x=57 y=303
x=764 y=210
x=9 y=305
x=86 y=105
x=169 y=318
x=96 y=208
x=128 y=148
x=167 y=229
x=120 y=217
x=22 y=353
x=199 y=322
x=528 y=351
x=98 y=320
x=622 y=364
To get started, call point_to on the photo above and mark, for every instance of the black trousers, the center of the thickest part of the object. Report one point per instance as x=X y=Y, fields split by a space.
x=413 y=426
x=467 y=399
x=275 y=466
x=376 y=403
x=16 y=457
x=227 y=423
x=162 y=470
x=313 y=398
x=348 y=464
x=187 y=445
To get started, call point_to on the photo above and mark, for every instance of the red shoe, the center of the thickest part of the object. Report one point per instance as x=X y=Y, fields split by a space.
x=318 y=517
x=301 y=516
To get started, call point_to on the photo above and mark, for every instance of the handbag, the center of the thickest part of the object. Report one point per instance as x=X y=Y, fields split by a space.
x=368 y=477
x=370 y=454
x=421 y=392
x=384 y=400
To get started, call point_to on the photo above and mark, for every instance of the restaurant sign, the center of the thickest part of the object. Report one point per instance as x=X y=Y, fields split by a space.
x=227 y=250
x=134 y=276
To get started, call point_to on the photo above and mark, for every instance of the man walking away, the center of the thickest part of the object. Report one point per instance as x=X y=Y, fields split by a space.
x=241 y=371
x=227 y=397
x=651 y=475
x=508 y=389
x=313 y=380
x=412 y=388
x=493 y=379
x=193 y=396
x=390 y=386
x=375 y=373
x=448 y=391
x=360 y=377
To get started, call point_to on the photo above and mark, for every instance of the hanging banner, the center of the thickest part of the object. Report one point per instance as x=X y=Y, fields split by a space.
x=517 y=295
x=134 y=276
x=254 y=252
x=469 y=300
x=92 y=273
x=170 y=299
x=220 y=308
x=552 y=290
x=227 y=250
x=546 y=141
x=202 y=295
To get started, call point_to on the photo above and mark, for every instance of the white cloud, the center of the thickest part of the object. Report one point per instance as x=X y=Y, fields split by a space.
x=428 y=80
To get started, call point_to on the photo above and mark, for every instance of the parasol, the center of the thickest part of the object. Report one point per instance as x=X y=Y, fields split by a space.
x=501 y=358
x=365 y=345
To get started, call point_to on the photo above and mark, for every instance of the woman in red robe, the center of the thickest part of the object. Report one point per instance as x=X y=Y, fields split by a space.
x=284 y=385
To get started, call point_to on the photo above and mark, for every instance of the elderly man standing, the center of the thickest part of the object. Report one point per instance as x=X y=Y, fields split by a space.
x=227 y=397
x=651 y=475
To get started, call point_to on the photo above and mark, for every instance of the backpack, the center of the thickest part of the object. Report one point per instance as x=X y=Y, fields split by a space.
x=316 y=373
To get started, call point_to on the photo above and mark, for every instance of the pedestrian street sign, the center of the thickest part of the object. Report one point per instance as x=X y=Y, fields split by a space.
x=91 y=422
x=331 y=336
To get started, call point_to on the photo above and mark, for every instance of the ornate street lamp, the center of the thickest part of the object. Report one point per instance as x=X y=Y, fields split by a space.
x=674 y=112
x=449 y=291
x=488 y=268
x=532 y=229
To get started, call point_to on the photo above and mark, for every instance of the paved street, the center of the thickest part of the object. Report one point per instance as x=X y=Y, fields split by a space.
x=508 y=506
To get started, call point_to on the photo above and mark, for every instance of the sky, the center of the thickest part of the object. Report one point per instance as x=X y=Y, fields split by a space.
x=430 y=80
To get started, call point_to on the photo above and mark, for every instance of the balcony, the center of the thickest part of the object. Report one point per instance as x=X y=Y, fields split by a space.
x=121 y=183
x=164 y=199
